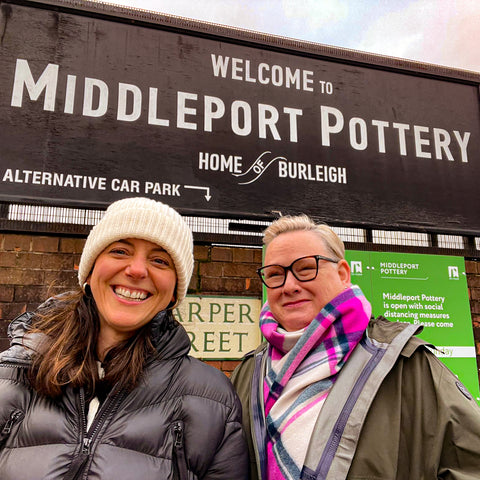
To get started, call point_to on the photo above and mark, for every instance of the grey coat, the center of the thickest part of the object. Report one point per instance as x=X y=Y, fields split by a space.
x=182 y=422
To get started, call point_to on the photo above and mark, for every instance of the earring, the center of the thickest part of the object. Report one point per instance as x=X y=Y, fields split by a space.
x=86 y=289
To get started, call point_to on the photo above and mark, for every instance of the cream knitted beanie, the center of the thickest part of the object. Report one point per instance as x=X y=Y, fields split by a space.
x=148 y=220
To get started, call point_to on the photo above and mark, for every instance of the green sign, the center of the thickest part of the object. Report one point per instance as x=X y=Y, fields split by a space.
x=427 y=290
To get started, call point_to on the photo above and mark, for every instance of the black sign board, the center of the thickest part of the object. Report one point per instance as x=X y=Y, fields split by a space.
x=94 y=108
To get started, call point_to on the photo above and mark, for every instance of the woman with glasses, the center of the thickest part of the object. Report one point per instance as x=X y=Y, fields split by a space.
x=334 y=394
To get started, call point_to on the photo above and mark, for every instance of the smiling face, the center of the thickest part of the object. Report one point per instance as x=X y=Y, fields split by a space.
x=131 y=281
x=296 y=304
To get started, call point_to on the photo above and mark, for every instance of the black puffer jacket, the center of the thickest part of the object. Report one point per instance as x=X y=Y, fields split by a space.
x=182 y=422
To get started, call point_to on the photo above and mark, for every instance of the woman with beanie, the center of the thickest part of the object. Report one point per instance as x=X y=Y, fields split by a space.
x=98 y=384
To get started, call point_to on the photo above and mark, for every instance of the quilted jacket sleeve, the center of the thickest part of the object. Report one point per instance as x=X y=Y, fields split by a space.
x=231 y=459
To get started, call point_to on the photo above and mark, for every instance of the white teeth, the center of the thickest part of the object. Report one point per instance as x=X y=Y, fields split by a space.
x=130 y=294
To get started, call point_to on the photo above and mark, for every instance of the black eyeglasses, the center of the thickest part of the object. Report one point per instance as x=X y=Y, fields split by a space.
x=304 y=269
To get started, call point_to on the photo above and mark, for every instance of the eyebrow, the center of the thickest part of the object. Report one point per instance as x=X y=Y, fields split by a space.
x=126 y=242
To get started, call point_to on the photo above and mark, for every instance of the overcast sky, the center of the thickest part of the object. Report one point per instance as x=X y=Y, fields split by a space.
x=443 y=32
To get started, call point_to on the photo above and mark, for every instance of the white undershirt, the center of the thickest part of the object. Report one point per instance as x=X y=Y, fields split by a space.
x=95 y=402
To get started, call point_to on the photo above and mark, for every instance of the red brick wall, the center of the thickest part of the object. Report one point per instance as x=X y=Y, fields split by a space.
x=473 y=281
x=30 y=265
x=226 y=271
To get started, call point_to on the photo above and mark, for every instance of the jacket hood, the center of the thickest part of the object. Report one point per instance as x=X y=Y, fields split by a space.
x=22 y=343
x=169 y=337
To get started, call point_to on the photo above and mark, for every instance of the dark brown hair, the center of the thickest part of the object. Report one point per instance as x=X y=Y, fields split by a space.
x=67 y=353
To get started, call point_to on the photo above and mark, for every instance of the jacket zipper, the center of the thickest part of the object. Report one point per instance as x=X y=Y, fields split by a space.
x=179 y=451
x=331 y=446
x=15 y=416
x=79 y=461
x=77 y=467
x=16 y=364
x=257 y=419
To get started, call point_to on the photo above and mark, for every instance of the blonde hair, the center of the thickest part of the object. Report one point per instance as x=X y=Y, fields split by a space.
x=290 y=223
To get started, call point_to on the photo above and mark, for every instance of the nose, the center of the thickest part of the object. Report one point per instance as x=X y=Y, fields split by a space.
x=291 y=283
x=137 y=267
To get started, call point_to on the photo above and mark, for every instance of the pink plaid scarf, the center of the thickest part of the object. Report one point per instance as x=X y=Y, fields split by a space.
x=301 y=369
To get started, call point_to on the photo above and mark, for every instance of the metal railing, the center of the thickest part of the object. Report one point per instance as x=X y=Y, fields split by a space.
x=43 y=219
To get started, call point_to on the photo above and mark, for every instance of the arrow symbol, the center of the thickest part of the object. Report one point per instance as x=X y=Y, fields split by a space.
x=207 y=189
